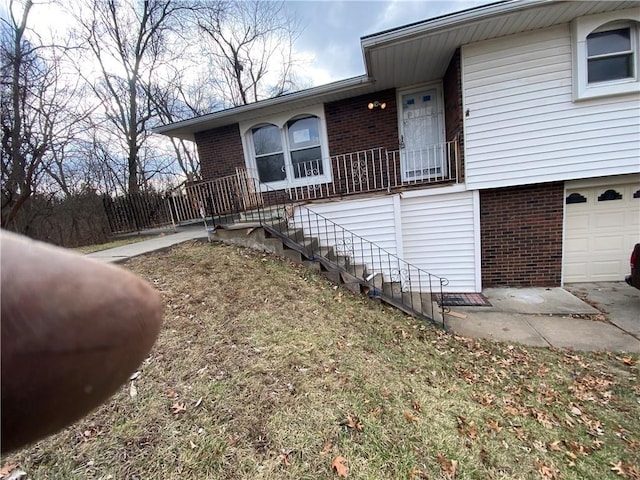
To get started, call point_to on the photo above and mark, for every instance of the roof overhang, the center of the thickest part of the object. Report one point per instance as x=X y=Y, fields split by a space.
x=421 y=52
x=330 y=92
x=410 y=55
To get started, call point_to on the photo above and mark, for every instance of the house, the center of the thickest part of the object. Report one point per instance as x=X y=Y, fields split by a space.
x=496 y=146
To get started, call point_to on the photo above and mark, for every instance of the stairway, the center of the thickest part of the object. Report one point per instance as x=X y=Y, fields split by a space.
x=271 y=232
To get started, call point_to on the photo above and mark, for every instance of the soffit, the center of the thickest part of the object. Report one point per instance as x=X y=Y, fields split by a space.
x=391 y=56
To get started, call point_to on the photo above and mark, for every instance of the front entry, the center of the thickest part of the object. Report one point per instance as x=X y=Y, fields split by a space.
x=421 y=137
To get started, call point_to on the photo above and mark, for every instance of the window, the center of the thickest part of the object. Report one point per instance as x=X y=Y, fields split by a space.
x=304 y=144
x=289 y=149
x=609 y=55
x=605 y=54
x=269 y=155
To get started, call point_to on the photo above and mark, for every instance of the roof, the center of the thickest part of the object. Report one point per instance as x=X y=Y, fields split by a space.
x=391 y=57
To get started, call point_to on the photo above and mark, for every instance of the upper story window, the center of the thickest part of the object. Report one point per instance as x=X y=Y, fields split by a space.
x=291 y=151
x=609 y=55
x=605 y=54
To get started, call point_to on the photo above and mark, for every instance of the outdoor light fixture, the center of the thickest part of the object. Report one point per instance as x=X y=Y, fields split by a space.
x=377 y=104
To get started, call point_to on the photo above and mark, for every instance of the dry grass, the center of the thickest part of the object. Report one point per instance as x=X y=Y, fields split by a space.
x=279 y=373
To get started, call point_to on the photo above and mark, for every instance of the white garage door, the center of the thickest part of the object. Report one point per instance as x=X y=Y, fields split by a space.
x=602 y=224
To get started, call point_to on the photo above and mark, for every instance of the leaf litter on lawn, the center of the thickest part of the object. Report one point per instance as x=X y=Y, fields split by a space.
x=264 y=370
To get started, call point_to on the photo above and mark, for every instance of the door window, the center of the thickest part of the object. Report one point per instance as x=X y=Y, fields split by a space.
x=422 y=152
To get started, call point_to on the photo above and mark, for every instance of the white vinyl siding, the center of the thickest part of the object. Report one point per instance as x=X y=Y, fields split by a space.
x=435 y=233
x=438 y=236
x=523 y=126
x=372 y=219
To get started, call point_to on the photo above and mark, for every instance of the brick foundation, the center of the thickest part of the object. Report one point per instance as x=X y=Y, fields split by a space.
x=521 y=235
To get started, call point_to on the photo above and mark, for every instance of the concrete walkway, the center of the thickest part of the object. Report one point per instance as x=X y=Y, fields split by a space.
x=125 y=252
x=531 y=316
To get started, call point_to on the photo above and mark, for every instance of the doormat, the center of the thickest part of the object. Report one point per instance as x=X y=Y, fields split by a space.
x=462 y=300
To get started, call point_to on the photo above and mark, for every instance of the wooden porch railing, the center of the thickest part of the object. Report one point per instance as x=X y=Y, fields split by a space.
x=225 y=195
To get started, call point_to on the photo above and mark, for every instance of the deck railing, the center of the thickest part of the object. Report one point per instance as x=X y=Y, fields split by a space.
x=372 y=170
x=376 y=169
x=225 y=195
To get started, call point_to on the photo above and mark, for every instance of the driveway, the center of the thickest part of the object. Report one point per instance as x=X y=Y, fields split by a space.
x=617 y=300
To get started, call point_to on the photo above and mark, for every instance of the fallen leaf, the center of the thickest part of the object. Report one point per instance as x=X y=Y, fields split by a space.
x=547 y=471
x=177 y=408
x=416 y=474
x=449 y=467
x=618 y=468
x=494 y=425
x=628 y=361
x=135 y=375
x=339 y=466
x=555 y=446
x=410 y=417
x=576 y=411
x=284 y=459
x=172 y=393
x=352 y=422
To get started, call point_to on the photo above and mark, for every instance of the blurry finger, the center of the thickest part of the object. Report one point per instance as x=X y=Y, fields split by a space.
x=72 y=331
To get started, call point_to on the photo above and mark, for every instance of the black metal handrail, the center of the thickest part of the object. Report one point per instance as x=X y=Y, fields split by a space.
x=381 y=273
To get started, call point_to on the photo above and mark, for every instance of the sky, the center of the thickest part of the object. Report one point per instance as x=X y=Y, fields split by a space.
x=330 y=40
x=329 y=43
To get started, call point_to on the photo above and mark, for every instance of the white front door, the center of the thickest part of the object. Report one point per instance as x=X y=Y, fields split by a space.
x=421 y=143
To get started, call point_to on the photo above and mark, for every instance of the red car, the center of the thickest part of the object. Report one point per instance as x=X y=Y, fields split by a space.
x=634 y=278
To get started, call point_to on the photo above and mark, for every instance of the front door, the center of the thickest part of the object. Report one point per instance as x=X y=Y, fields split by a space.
x=422 y=149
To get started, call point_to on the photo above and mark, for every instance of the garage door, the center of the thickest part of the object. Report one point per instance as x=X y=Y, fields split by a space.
x=602 y=224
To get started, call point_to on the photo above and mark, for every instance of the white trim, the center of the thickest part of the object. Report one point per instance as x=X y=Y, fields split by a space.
x=427 y=192
x=448 y=22
x=581 y=27
x=437 y=86
x=280 y=120
x=633 y=178
x=477 y=234
x=564 y=233
x=397 y=219
x=464 y=160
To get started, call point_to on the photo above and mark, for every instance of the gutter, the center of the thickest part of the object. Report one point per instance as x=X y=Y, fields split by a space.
x=450 y=21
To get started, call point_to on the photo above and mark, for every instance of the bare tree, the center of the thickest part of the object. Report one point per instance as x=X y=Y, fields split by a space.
x=128 y=40
x=251 y=49
x=35 y=113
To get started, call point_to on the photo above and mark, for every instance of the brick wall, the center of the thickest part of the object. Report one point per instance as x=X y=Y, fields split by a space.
x=220 y=151
x=453 y=115
x=351 y=126
x=521 y=235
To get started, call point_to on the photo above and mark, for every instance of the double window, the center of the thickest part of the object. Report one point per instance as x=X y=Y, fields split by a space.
x=605 y=54
x=289 y=154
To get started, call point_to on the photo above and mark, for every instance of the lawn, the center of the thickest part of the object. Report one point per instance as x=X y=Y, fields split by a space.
x=264 y=370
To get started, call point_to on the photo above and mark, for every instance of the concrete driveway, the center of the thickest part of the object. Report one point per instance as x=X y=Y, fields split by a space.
x=585 y=316
x=618 y=301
